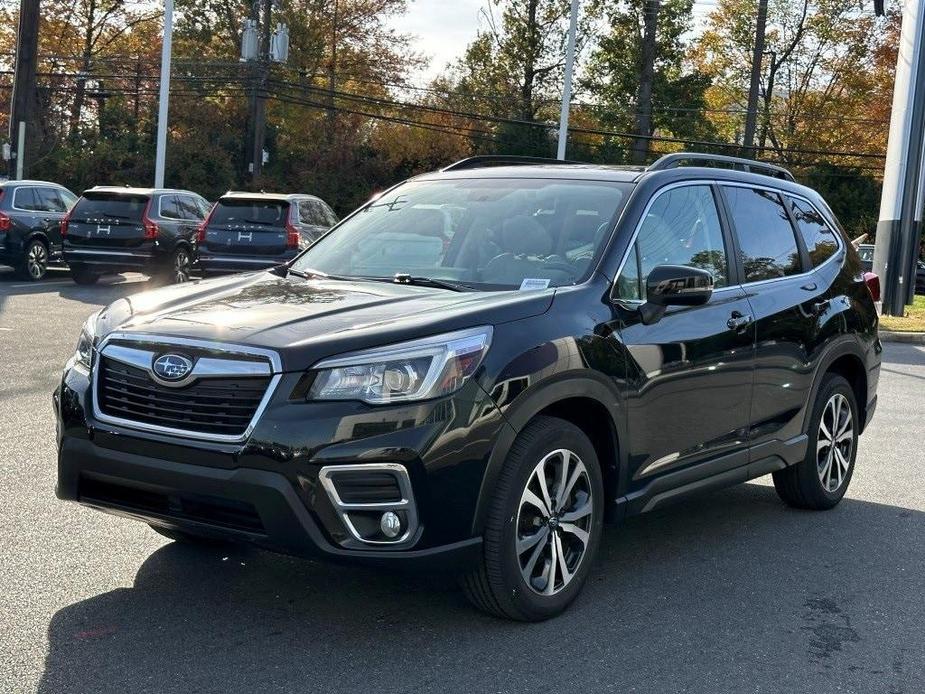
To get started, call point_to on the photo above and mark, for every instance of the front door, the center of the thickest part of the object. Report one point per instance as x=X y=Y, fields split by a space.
x=689 y=375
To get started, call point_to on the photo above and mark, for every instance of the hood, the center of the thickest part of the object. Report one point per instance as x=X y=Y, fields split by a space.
x=307 y=320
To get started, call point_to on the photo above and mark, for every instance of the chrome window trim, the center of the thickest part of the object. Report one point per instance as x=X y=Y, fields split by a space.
x=167 y=341
x=406 y=503
x=739 y=184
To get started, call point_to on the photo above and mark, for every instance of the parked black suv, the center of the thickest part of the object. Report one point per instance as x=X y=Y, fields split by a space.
x=30 y=217
x=149 y=230
x=255 y=231
x=481 y=366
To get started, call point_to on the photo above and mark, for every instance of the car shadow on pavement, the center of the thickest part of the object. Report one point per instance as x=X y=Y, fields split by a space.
x=726 y=592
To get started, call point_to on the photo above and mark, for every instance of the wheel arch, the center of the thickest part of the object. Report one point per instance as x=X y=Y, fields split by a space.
x=584 y=402
x=846 y=358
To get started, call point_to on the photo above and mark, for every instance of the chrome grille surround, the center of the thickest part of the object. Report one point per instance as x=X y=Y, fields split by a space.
x=222 y=365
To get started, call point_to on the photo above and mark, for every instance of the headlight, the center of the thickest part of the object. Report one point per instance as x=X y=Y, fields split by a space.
x=416 y=370
x=83 y=355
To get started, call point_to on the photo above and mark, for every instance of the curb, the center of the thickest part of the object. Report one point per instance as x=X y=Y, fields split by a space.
x=907 y=338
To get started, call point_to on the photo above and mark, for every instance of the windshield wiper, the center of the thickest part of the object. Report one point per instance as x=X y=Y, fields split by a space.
x=405 y=278
x=310 y=274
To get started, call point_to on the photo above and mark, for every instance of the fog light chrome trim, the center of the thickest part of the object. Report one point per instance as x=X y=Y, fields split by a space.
x=405 y=504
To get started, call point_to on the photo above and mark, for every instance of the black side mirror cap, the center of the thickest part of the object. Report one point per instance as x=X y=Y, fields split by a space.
x=678 y=285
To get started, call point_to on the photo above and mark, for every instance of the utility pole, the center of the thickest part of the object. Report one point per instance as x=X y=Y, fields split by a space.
x=161 y=153
x=899 y=228
x=259 y=100
x=751 y=115
x=23 y=103
x=332 y=70
x=640 y=150
x=567 y=87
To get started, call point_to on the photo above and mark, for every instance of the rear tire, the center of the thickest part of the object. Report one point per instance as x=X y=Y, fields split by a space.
x=527 y=544
x=34 y=265
x=820 y=480
x=180 y=266
x=82 y=275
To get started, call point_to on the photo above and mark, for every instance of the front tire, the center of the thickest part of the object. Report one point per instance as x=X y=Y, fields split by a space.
x=821 y=479
x=544 y=525
x=34 y=265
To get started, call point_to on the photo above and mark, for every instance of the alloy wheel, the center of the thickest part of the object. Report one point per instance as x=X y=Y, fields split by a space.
x=835 y=442
x=554 y=522
x=181 y=267
x=37 y=261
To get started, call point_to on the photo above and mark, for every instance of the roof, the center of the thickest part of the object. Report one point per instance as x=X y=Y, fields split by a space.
x=30 y=182
x=262 y=195
x=130 y=190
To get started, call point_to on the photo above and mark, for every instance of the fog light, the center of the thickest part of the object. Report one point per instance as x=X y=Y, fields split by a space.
x=390 y=524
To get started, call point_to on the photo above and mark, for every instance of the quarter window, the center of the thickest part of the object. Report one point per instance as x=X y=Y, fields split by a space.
x=25 y=199
x=818 y=235
x=681 y=227
x=169 y=208
x=767 y=242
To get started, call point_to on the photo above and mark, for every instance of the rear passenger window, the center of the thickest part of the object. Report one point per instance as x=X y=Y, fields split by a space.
x=681 y=227
x=49 y=200
x=819 y=237
x=767 y=243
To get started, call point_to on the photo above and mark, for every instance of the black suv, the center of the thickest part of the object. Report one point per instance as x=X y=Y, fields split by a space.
x=255 y=231
x=481 y=366
x=30 y=220
x=149 y=230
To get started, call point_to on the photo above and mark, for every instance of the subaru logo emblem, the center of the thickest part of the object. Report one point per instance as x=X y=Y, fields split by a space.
x=172 y=367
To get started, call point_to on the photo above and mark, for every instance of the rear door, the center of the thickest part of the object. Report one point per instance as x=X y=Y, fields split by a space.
x=247 y=227
x=102 y=220
x=53 y=207
x=790 y=305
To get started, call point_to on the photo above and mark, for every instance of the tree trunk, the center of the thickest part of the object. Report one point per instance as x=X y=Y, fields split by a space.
x=81 y=89
x=646 y=77
x=527 y=112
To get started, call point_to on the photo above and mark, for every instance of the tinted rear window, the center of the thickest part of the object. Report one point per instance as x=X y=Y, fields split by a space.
x=262 y=212
x=766 y=240
x=97 y=206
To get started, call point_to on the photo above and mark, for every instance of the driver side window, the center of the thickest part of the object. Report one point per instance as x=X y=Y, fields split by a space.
x=681 y=227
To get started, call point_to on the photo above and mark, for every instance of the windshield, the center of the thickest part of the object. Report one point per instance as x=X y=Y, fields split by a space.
x=239 y=211
x=485 y=233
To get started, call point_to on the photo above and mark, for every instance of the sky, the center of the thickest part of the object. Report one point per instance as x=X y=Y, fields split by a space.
x=441 y=28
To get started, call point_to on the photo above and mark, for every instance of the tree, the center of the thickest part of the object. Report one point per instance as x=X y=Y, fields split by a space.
x=648 y=40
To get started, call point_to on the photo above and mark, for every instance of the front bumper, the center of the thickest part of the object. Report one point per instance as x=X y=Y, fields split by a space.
x=248 y=505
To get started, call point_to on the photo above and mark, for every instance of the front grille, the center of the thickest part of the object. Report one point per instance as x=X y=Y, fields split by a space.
x=210 y=510
x=222 y=406
x=366 y=487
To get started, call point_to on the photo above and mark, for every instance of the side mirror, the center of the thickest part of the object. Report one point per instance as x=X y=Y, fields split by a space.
x=674 y=285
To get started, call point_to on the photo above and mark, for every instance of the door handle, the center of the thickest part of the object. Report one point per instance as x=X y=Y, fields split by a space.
x=738 y=320
x=811 y=287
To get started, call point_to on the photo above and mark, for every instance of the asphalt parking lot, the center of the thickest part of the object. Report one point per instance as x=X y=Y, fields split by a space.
x=730 y=592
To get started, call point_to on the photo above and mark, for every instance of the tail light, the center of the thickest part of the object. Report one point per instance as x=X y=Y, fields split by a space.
x=64 y=222
x=292 y=234
x=201 y=229
x=4 y=222
x=150 y=227
x=873 y=284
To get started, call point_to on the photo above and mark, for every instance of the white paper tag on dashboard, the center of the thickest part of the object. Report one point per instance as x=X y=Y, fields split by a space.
x=533 y=283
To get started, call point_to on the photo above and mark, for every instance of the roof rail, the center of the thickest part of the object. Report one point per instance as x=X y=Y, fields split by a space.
x=677 y=159
x=486 y=160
